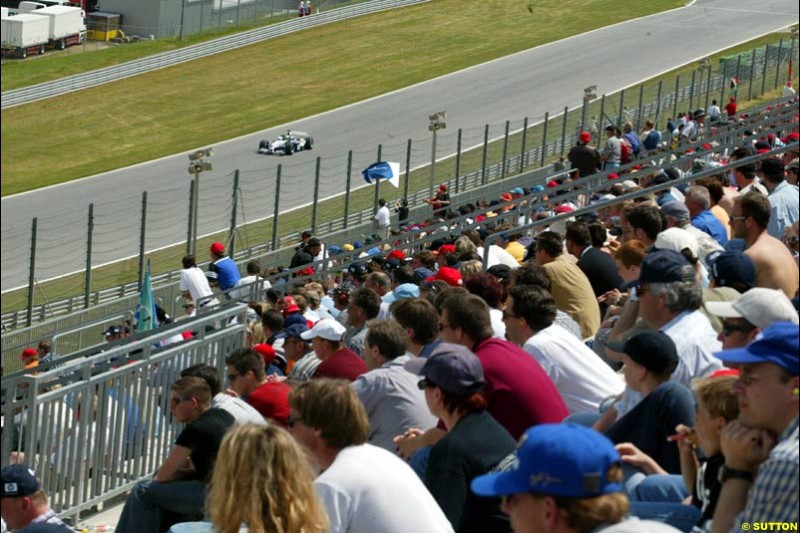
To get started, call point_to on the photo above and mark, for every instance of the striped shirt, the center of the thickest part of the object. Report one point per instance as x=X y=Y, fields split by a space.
x=773 y=497
x=241 y=411
x=50 y=519
x=305 y=367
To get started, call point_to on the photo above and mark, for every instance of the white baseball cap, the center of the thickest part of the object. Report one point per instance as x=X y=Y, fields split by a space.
x=677 y=240
x=759 y=306
x=328 y=329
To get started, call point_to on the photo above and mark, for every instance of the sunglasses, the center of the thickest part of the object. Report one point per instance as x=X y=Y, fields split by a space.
x=728 y=329
x=178 y=401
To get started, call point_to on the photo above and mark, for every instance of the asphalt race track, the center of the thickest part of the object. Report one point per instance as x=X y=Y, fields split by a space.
x=546 y=78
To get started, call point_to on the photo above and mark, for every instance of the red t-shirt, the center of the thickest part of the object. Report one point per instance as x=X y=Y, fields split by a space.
x=730 y=109
x=271 y=400
x=519 y=392
x=344 y=364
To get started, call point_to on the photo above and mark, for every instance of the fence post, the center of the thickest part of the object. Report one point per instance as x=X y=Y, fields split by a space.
x=621 y=108
x=764 y=72
x=639 y=112
x=485 y=154
x=544 y=138
x=433 y=162
x=691 y=90
x=235 y=200
x=505 y=150
x=142 y=229
x=675 y=97
x=316 y=197
x=778 y=63
x=408 y=168
x=191 y=217
x=738 y=72
x=708 y=88
x=277 y=208
x=458 y=161
x=752 y=75
x=347 y=186
x=523 y=153
x=584 y=110
x=658 y=103
x=378 y=182
x=602 y=118
x=32 y=273
x=89 y=232
x=564 y=130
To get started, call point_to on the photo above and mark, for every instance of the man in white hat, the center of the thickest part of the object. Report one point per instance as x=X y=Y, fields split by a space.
x=754 y=311
x=337 y=361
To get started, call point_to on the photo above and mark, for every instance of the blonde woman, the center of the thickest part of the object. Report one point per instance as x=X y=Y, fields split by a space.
x=263 y=480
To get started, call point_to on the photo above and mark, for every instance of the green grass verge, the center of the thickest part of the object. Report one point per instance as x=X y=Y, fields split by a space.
x=153 y=115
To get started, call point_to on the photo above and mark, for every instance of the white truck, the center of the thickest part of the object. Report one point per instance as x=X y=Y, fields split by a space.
x=67 y=26
x=24 y=34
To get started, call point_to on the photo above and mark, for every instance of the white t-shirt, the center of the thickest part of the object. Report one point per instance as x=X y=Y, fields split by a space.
x=242 y=288
x=382 y=217
x=583 y=379
x=498 y=326
x=368 y=489
x=194 y=280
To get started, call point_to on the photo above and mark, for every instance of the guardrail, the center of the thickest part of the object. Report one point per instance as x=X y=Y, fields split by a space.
x=92 y=430
x=727 y=138
x=94 y=78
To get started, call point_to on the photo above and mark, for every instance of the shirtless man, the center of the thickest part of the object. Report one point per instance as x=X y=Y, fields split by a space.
x=775 y=266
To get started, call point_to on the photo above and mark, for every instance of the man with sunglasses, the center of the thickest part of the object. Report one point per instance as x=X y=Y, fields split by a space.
x=746 y=317
x=759 y=478
x=179 y=485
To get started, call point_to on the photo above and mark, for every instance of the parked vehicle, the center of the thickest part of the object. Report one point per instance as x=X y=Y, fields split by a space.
x=24 y=34
x=67 y=25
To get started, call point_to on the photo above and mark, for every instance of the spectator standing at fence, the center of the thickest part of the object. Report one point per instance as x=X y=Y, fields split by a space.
x=402 y=210
x=382 y=219
x=308 y=8
x=301 y=9
x=306 y=254
x=714 y=111
x=441 y=202
x=783 y=197
x=226 y=270
x=179 y=485
x=612 y=151
x=23 y=503
x=363 y=487
x=583 y=156
x=194 y=285
x=775 y=266
x=570 y=287
x=247 y=378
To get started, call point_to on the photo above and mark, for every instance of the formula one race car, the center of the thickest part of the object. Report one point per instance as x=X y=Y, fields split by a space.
x=287 y=143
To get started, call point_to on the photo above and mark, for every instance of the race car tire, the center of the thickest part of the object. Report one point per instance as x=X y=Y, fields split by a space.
x=309 y=143
x=263 y=145
x=287 y=149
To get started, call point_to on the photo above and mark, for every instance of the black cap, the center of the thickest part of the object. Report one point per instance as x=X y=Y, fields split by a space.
x=17 y=481
x=451 y=367
x=664 y=266
x=654 y=350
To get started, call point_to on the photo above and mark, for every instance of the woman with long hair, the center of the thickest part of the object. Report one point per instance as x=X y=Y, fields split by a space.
x=263 y=480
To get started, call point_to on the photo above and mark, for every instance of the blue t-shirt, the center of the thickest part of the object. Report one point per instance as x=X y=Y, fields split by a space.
x=706 y=221
x=227 y=273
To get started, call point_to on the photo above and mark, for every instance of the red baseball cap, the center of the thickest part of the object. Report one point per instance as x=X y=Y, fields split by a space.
x=396 y=254
x=446 y=249
x=563 y=208
x=443 y=187
x=291 y=305
x=28 y=352
x=217 y=248
x=449 y=275
x=613 y=176
x=266 y=351
x=585 y=137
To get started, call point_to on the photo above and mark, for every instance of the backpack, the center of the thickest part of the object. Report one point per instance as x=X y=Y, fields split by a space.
x=634 y=142
x=625 y=151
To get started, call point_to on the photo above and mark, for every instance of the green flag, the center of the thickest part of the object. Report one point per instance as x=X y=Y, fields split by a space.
x=146 y=310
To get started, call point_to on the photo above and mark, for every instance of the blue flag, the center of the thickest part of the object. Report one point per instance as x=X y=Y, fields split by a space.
x=146 y=309
x=382 y=170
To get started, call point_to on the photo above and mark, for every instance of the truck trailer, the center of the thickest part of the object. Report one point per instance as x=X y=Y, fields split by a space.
x=67 y=25
x=24 y=34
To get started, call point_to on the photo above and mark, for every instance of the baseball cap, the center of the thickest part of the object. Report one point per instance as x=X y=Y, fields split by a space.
x=664 y=266
x=28 y=352
x=777 y=344
x=333 y=250
x=451 y=367
x=585 y=137
x=405 y=290
x=266 y=351
x=357 y=269
x=732 y=267
x=295 y=331
x=396 y=254
x=678 y=240
x=443 y=187
x=449 y=275
x=423 y=273
x=676 y=210
x=113 y=330
x=446 y=249
x=558 y=459
x=760 y=306
x=652 y=349
x=217 y=248
x=348 y=247
x=327 y=328
x=17 y=481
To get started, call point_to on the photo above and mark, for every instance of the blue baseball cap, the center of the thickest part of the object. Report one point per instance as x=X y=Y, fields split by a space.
x=664 y=266
x=557 y=459
x=731 y=267
x=295 y=330
x=405 y=290
x=777 y=344
x=17 y=481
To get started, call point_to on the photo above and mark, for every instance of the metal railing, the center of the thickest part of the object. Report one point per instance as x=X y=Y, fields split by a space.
x=94 y=78
x=92 y=429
